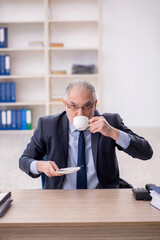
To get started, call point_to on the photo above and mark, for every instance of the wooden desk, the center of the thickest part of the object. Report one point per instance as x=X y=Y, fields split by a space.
x=79 y=214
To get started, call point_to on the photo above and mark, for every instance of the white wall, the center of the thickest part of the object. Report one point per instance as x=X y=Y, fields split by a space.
x=131 y=60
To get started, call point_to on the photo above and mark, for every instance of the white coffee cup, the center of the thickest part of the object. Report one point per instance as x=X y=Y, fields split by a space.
x=80 y=122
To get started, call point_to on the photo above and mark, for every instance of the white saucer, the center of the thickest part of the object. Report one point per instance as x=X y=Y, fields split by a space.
x=68 y=170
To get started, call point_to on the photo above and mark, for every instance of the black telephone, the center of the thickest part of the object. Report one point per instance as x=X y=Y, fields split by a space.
x=143 y=193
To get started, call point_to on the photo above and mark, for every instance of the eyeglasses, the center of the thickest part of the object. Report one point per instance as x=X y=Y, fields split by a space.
x=85 y=107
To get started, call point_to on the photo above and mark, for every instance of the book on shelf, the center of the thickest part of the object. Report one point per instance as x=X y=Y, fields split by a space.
x=11 y=119
x=5 y=201
x=3 y=37
x=59 y=72
x=56 y=99
x=36 y=44
x=155 y=194
x=5 y=65
x=56 y=44
x=7 y=91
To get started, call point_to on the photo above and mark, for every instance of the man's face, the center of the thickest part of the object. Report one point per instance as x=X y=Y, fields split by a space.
x=80 y=97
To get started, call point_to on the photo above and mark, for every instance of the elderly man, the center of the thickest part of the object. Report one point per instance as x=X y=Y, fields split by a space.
x=55 y=144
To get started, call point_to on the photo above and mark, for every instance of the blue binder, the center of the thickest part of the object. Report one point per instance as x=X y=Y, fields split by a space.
x=4 y=119
x=12 y=91
x=3 y=94
x=3 y=37
x=18 y=112
x=13 y=120
x=0 y=121
x=23 y=119
x=0 y=92
x=7 y=65
x=7 y=92
x=9 y=117
x=2 y=64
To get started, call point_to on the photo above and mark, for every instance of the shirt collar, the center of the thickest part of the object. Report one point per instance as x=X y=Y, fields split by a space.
x=72 y=129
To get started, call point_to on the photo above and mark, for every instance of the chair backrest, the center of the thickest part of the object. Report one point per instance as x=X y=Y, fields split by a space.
x=124 y=184
x=43 y=180
x=43 y=174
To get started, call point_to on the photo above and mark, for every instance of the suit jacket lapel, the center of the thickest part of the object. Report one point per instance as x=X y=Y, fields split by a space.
x=64 y=137
x=94 y=143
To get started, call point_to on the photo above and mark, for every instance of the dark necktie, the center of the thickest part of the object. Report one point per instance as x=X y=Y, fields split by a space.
x=81 y=174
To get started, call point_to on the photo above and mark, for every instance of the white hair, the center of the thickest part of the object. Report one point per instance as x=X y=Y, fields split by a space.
x=80 y=83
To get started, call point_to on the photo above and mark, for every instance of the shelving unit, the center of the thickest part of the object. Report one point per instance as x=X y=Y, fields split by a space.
x=74 y=23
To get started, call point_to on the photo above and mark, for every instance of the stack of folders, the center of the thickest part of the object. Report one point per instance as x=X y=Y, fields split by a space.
x=7 y=91
x=83 y=69
x=16 y=119
x=5 y=201
x=155 y=194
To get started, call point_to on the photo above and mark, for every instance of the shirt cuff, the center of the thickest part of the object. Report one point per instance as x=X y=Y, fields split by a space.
x=123 y=140
x=33 y=168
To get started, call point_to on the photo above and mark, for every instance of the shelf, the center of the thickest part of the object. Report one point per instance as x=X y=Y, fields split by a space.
x=73 y=76
x=22 y=76
x=74 y=21
x=73 y=48
x=22 y=22
x=32 y=103
x=22 y=49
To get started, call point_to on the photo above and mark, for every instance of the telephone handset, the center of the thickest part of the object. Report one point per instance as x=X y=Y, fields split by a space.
x=143 y=193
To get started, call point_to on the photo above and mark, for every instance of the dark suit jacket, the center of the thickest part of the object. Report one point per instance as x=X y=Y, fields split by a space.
x=51 y=137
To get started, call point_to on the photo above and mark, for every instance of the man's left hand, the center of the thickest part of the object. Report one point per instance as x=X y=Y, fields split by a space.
x=99 y=124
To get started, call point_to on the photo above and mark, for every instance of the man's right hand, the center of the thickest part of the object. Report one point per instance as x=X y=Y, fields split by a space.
x=49 y=168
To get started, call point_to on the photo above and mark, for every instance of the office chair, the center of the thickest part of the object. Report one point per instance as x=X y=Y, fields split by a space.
x=43 y=174
x=124 y=184
x=42 y=180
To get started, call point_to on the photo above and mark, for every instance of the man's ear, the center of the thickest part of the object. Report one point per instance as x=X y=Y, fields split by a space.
x=95 y=104
x=64 y=102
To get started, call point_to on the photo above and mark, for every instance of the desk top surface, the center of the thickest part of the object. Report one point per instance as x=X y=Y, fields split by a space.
x=78 y=207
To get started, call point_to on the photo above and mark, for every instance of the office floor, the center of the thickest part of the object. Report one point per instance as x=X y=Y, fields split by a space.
x=135 y=171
